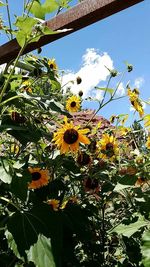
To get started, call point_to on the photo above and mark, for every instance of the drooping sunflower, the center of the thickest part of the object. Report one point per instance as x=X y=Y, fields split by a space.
x=133 y=95
x=148 y=142
x=69 y=136
x=135 y=101
x=108 y=146
x=40 y=177
x=73 y=103
x=52 y=64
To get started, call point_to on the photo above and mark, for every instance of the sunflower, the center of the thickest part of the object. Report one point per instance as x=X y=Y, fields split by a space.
x=148 y=142
x=108 y=146
x=133 y=95
x=52 y=64
x=135 y=101
x=54 y=204
x=73 y=103
x=40 y=177
x=138 y=107
x=68 y=137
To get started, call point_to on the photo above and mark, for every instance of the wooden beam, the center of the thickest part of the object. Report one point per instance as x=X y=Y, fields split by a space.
x=76 y=18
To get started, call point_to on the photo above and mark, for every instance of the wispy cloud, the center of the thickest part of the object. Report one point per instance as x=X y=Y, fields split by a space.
x=92 y=72
x=139 y=82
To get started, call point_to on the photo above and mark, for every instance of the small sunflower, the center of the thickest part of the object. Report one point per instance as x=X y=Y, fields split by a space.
x=54 y=204
x=68 y=137
x=52 y=64
x=148 y=142
x=73 y=103
x=40 y=177
x=108 y=146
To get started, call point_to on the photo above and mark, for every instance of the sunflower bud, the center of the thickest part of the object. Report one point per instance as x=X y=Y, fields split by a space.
x=114 y=73
x=83 y=159
x=129 y=68
x=17 y=117
x=79 y=80
x=80 y=93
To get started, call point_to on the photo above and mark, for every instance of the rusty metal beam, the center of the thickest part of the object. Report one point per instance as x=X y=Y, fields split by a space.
x=76 y=18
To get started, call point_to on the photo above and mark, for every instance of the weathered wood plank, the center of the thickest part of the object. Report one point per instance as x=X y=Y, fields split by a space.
x=76 y=18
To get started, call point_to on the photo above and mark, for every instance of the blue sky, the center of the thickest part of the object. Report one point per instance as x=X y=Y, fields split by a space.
x=123 y=36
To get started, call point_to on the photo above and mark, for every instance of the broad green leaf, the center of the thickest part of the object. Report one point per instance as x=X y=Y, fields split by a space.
x=50 y=6
x=109 y=90
x=127 y=179
x=26 y=24
x=21 y=38
x=120 y=187
x=129 y=230
x=41 y=253
x=55 y=106
x=26 y=226
x=145 y=248
x=37 y=10
x=11 y=244
x=19 y=185
x=4 y=175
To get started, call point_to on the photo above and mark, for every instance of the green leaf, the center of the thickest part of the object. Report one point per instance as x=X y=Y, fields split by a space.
x=109 y=90
x=41 y=253
x=145 y=248
x=2 y=4
x=127 y=179
x=11 y=244
x=4 y=175
x=21 y=38
x=55 y=106
x=25 y=227
x=50 y=6
x=119 y=187
x=26 y=24
x=129 y=230
x=19 y=185
x=37 y=10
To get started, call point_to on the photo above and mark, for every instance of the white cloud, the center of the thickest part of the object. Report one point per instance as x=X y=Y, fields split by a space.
x=92 y=72
x=138 y=82
x=121 y=89
x=2 y=67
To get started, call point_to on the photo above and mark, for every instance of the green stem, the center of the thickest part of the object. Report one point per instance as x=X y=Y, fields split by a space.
x=122 y=76
x=11 y=72
x=9 y=202
x=10 y=99
x=9 y=20
x=105 y=91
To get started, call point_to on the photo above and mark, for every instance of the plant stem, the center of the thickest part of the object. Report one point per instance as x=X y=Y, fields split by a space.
x=11 y=72
x=9 y=202
x=9 y=20
x=10 y=99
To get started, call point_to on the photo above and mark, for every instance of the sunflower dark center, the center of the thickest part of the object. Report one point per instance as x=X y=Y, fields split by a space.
x=36 y=176
x=51 y=66
x=71 y=136
x=109 y=146
x=110 y=150
x=73 y=104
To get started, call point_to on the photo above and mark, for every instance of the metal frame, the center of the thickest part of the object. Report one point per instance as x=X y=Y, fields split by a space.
x=83 y=14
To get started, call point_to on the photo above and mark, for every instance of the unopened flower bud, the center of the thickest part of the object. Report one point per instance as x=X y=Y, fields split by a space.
x=114 y=73
x=130 y=68
x=79 y=80
x=80 y=93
